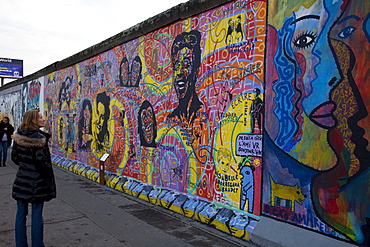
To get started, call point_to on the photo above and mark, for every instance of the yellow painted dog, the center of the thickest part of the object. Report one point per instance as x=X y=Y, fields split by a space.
x=286 y=192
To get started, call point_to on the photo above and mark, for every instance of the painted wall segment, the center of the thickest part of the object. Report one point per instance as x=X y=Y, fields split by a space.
x=179 y=110
x=316 y=153
x=10 y=107
x=188 y=120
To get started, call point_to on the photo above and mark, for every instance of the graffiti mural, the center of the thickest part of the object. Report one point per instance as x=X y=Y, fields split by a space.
x=227 y=115
x=316 y=156
x=180 y=108
x=10 y=107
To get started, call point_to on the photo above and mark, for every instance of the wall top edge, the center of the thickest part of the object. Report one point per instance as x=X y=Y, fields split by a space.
x=176 y=13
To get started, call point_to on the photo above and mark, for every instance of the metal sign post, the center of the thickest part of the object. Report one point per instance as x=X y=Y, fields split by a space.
x=102 y=168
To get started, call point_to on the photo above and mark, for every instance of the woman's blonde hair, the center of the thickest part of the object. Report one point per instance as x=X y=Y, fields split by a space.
x=28 y=117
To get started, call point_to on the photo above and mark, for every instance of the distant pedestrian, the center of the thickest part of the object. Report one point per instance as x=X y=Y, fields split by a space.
x=34 y=182
x=6 y=132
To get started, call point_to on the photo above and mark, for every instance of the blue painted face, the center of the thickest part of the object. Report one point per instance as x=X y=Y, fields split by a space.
x=307 y=73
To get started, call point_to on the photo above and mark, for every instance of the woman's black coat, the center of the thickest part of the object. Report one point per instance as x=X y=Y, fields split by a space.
x=8 y=132
x=35 y=180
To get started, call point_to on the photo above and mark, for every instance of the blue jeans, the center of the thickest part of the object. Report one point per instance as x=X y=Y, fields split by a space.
x=37 y=225
x=3 y=150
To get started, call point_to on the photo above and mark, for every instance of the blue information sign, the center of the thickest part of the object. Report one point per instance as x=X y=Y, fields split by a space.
x=12 y=68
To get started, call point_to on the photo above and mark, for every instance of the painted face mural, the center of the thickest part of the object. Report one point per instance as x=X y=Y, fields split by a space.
x=224 y=160
x=124 y=72
x=353 y=29
x=130 y=77
x=84 y=126
x=317 y=145
x=302 y=101
x=184 y=60
x=101 y=138
x=185 y=56
x=147 y=125
x=64 y=92
x=135 y=72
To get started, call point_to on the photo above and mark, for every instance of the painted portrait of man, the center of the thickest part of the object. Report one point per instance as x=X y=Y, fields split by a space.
x=101 y=139
x=185 y=56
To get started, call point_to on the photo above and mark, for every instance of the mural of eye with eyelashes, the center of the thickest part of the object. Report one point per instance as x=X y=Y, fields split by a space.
x=304 y=40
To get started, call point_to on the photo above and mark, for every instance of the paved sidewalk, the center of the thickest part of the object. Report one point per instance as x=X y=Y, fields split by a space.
x=88 y=214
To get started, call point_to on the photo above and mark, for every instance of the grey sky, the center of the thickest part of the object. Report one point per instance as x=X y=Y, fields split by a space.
x=41 y=32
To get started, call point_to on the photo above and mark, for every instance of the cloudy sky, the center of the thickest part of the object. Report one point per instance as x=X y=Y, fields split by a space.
x=41 y=32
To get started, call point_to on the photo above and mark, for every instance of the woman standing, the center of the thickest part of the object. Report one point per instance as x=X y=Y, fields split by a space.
x=6 y=132
x=34 y=182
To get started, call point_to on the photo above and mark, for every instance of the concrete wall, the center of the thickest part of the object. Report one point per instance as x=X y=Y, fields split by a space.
x=223 y=111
